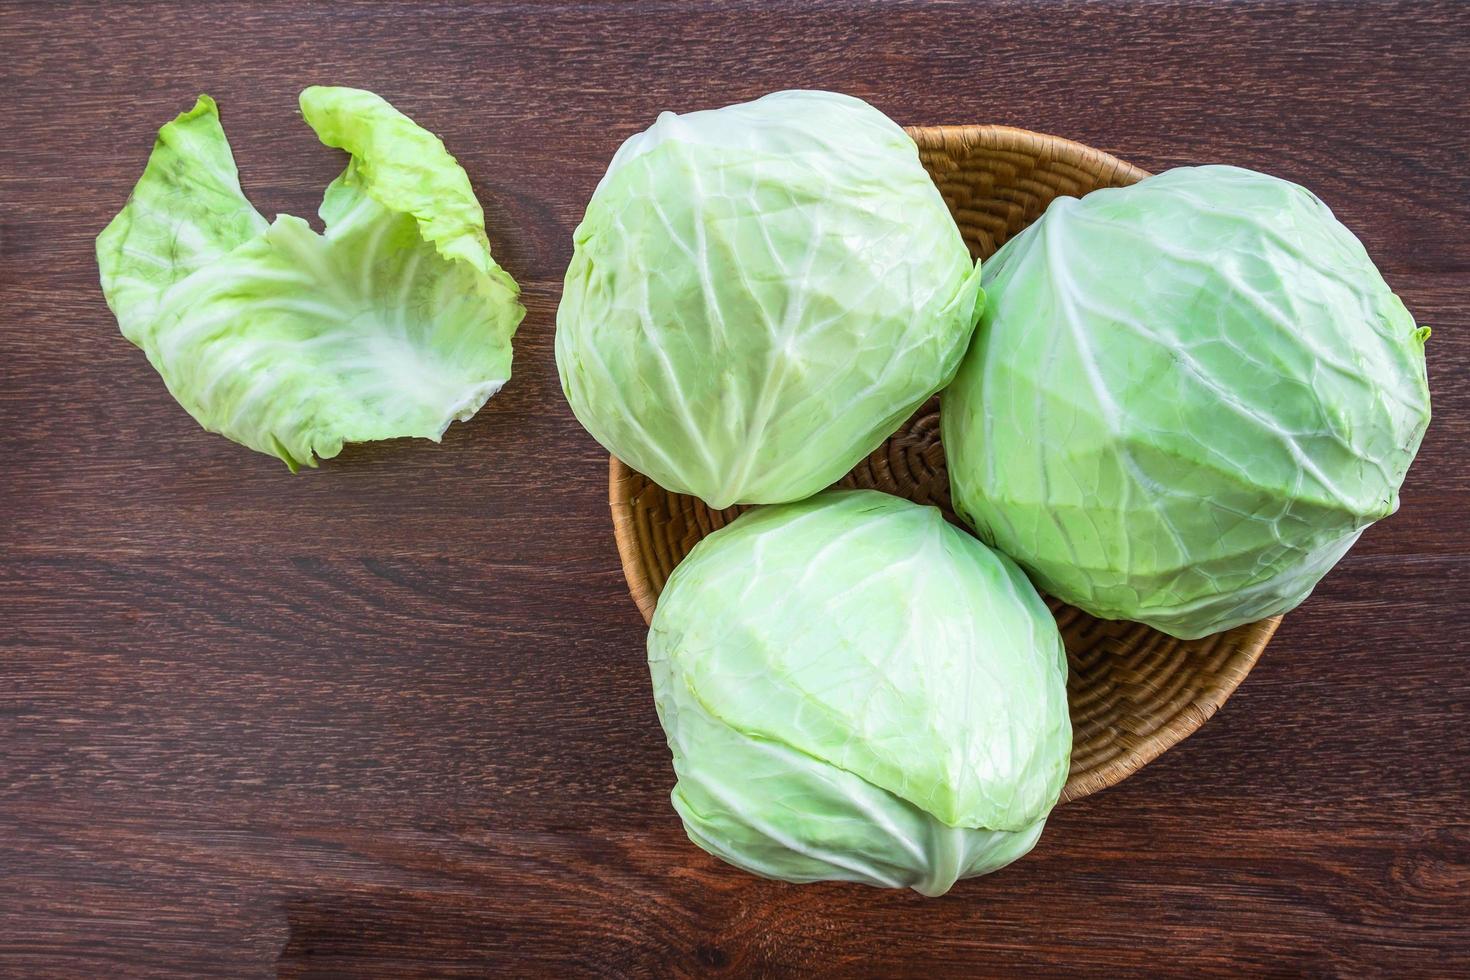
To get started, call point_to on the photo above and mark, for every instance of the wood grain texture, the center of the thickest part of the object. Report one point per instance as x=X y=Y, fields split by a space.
x=392 y=716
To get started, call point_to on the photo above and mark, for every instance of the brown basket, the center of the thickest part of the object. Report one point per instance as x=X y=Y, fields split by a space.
x=1134 y=691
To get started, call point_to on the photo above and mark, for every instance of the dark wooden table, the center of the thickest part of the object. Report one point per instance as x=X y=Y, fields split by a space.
x=392 y=716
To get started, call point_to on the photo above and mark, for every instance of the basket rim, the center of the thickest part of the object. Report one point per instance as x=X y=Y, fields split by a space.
x=1251 y=638
x=1052 y=147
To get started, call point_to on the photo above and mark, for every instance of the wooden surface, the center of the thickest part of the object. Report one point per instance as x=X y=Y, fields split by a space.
x=392 y=716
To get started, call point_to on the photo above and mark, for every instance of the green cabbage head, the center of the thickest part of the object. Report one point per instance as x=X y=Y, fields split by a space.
x=1186 y=400
x=854 y=689
x=759 y=295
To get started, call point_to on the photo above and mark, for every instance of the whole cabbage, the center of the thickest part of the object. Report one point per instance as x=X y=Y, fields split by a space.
x=760 y=295
x=1186 y=399
x=855 y=689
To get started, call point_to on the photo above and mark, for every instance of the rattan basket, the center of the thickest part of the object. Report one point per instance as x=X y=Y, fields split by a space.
x=1134 y=692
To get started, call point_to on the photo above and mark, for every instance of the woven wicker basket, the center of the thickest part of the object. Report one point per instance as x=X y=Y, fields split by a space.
x=1134 y=692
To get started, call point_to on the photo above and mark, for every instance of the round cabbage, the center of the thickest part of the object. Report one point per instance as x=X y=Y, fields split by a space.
x=1186 y=399
x=854 y=689
x=760 y=295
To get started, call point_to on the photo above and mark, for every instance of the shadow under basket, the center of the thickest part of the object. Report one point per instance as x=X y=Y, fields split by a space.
x=1133 y=691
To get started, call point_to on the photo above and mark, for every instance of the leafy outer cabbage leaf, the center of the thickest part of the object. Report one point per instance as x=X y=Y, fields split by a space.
x=1186 y=399
x=393 y=322
x=759 y=295
x=854 y=689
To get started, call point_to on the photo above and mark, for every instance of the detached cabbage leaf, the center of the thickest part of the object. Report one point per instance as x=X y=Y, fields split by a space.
x=1186 y=400
x=854 y=689
x=393 y=322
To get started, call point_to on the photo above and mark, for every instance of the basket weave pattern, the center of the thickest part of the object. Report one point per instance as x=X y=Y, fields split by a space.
x=1133 y=691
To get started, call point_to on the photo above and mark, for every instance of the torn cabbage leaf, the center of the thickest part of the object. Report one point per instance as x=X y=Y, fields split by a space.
x=395 y=321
